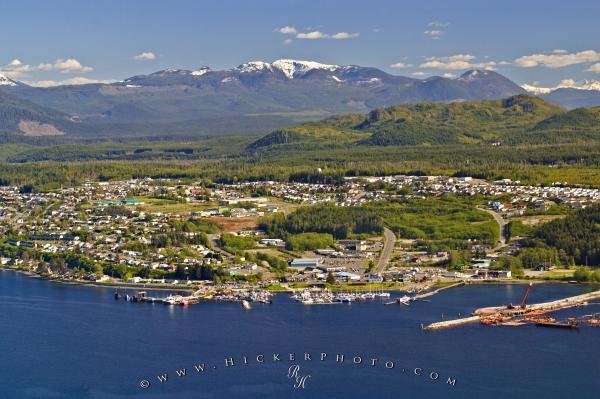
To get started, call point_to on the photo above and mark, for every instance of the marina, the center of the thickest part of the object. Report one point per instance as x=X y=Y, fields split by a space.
x=240 y=296
x=327 y=297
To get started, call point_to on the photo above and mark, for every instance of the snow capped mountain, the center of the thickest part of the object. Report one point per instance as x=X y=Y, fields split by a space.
x=474 y=74
x=200 y=71
x=537 y=90
x=295 y=68
x=593 y=85
x=6 y=81
x=290 y=68
x=254 y=66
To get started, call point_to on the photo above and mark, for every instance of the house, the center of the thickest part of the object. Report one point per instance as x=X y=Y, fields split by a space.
x=485 y=274
x=544 y=267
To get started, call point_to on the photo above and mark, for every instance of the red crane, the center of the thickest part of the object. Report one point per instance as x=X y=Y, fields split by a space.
x=523 y=303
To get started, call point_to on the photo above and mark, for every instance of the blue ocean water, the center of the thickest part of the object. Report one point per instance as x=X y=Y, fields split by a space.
x=61 y=341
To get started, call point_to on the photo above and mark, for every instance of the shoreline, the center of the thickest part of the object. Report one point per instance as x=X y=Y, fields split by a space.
x=359 y=288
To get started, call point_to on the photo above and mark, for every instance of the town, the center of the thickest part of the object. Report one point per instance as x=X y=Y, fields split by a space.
x=152 y=233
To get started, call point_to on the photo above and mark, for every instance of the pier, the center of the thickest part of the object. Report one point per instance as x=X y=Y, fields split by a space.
x=432 y=293
x=507 y=315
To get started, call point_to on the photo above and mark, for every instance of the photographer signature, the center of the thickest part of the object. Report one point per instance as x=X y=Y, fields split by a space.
x=299 y=379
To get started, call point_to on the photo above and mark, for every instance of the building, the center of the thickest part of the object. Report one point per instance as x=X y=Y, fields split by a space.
x=353 y=245
x=275 y=242
x=481 y=263
x=304 y=263
x=347 y=276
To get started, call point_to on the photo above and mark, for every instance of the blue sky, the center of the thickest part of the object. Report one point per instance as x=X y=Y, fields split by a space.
x=77 y=40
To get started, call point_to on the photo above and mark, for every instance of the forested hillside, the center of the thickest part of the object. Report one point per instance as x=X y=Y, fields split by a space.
x=577 y=234
x=519 y=119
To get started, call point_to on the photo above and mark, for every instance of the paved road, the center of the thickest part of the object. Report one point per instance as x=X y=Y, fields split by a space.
x=502 y=223
x=386 y=253
x=214 y=242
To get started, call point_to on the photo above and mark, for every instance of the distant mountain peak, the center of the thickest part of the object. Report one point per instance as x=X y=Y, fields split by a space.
x=294 y=68
x=476 y=74
x=290 y=68
x=591 y=85
x=201 y=71
x=254 y=66
x=6 y=81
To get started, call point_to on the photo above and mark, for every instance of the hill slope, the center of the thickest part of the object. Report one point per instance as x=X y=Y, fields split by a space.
x=23 y=117
x=517 y=118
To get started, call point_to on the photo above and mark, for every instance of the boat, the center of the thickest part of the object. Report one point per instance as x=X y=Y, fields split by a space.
x=568 y=325
x=405 y=300
x=246 y=305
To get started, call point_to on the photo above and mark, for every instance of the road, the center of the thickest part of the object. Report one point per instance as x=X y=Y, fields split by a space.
x=214 y=242
x=389 y=239
x=502 y=223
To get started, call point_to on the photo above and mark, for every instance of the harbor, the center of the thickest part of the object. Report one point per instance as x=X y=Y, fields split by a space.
x=524 y=314
x=78 y=318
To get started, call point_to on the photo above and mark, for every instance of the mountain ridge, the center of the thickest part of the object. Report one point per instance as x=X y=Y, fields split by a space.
x=251 y=98
x=519 y=119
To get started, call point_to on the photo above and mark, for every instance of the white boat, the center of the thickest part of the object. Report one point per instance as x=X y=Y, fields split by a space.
x=405 y=300
x=246 y=305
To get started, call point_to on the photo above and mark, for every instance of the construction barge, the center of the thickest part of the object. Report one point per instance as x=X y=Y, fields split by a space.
x=522 y=314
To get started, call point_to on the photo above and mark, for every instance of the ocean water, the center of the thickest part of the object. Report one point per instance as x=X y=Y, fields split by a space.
x=62 y=341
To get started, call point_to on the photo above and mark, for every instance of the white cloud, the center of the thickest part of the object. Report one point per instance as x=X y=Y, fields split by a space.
x=16 y=69
x=145 y=56
x=437 y=29
x=400 y=65
x=287 y=41
x=344 y=35
x=438 y=24
x=456 y=62
x=449 y=75
x=287 y=30
x=70 y=65
x=594 y=68
x=419 y=74
x=78 y=80
x=557 y=60
x=434 y=34
x=559 y=51
x=315 y=34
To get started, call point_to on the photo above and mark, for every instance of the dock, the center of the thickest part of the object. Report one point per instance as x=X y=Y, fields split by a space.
x=432 y=293
x=507 y=316
x=440 y=325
